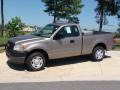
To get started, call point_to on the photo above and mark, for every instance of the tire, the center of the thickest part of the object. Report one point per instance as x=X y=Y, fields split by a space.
x=36 y=61
x=98 y=53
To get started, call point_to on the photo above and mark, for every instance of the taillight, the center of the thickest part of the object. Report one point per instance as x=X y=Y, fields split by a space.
x=114 y=40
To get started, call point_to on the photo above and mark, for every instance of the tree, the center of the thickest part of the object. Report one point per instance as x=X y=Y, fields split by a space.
x=73 y=19
x=2 y=19
x=118 y=5
x=14 y=26
x=63 y=9
x=106 y=8
x=118 y=28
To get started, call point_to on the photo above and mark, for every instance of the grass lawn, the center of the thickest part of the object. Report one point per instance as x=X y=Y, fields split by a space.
x=117 y=48
x=118 y=42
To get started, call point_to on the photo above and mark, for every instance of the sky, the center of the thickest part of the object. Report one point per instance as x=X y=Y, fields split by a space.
x=32 y=13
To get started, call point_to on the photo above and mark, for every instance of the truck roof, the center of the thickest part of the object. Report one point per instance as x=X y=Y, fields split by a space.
x=64 y=23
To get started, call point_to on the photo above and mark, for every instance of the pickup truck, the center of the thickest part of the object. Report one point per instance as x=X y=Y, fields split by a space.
x=55 y=41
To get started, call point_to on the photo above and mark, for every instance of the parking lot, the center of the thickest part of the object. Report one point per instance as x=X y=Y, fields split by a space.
x=71 y=69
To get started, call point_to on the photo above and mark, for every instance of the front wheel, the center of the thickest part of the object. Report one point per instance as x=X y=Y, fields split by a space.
x=36 y=61
x=98 y=53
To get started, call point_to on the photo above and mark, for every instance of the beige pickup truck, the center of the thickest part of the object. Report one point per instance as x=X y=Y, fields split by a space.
x=57 y=40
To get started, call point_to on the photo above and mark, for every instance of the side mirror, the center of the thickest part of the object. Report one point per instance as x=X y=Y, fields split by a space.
x=58 y=36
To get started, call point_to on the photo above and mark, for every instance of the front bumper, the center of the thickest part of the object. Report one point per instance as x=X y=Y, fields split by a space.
x=16 y=57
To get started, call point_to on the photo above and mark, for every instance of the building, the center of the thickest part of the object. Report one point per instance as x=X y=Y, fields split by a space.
x=29 y=29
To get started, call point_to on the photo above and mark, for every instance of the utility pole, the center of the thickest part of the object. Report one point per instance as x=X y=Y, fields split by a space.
x=2 y=18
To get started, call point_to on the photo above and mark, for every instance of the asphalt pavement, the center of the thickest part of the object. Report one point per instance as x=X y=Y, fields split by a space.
x=100 y=85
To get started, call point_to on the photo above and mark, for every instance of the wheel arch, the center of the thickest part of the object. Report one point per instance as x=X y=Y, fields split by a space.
x=37 y=50
x=100 y=44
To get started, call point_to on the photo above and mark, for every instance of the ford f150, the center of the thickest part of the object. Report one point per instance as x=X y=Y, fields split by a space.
x=57 y=40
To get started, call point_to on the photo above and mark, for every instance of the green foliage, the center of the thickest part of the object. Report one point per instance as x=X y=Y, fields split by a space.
x=14 y=27
x=5 y=37
x=74 y=19
x=118 y=8
x=106 y=8
x=63 y=9
x=3 y=40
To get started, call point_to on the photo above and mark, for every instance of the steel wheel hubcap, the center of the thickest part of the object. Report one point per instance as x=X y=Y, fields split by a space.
x=37 y=62
x=99 y=54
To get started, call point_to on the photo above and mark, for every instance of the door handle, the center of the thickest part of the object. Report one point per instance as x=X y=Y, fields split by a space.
x=72 y=41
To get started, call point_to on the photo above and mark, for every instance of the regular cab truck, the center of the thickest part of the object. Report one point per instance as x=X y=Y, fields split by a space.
x=57 y=40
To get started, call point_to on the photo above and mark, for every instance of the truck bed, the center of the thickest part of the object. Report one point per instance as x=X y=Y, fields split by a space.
x=95 y=32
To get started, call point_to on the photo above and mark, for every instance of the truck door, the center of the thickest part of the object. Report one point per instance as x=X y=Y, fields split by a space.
x=70 y=45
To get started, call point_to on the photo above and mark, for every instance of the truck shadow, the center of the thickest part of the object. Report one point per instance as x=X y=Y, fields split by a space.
x=57 y=62
x=16 y=66
x=71 y=60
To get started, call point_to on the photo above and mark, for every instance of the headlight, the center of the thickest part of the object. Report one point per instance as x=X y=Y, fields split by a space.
x=19 y=47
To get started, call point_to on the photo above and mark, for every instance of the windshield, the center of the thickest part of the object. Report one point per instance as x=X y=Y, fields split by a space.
x=47 y=31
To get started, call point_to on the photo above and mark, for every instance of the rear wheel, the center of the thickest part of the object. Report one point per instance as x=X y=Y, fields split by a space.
x=36 y=61
x=98 y=53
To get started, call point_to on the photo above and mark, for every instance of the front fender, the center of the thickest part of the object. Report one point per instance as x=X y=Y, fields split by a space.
x=35 y=47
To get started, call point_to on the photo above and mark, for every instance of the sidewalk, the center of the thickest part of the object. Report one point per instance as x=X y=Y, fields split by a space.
x=72 y=69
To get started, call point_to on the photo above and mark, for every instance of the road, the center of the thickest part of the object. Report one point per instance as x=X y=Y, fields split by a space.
x=63 y=86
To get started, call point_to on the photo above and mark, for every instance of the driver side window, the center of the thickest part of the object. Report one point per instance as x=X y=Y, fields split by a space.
x=69 y=31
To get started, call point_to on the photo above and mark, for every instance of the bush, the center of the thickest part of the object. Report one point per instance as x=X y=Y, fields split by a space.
x=14 y=27
x=3 y=41
x=5 y=38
